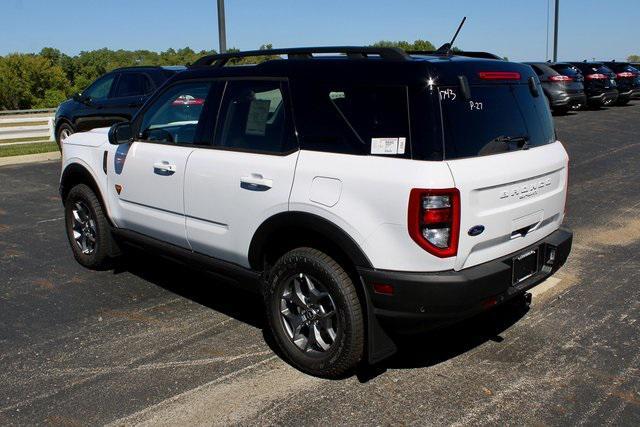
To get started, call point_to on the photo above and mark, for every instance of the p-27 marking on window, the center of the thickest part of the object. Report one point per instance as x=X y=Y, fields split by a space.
x=476 y=106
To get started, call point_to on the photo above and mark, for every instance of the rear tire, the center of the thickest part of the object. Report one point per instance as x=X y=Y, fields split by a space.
x=304 y=287
x=87 y=228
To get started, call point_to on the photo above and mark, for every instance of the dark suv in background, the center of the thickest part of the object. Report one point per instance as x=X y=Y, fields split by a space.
x=114 y=97
x=627 y=79
x=599 y=83
x=562 y=91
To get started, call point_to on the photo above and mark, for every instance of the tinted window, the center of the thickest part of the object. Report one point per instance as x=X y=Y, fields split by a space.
x=132 y=84
x=253 y=117
x=472 y=126
x=176 y=114
x=101 y=88
x=353 y=119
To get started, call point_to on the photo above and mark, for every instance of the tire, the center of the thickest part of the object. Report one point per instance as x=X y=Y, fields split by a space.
x=64 y=131
x=624 y=101
x=343 y=332
x=560 y=111
x=85 y=220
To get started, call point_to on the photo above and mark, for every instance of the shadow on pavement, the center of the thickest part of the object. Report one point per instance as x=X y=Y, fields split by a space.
x=414 y=351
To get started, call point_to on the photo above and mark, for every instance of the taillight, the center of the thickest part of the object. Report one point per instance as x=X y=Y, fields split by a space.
x=499 y=75
x=596 y=76
x=434 y=220
x=626 y=74
x=560 y=78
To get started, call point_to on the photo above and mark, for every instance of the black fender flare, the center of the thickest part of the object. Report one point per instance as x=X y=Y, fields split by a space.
x=284 y=221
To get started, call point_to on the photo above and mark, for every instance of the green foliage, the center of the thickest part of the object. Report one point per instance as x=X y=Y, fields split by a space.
x=416 y=45
x=26 y=80
x=633 y=58
x=46 y=79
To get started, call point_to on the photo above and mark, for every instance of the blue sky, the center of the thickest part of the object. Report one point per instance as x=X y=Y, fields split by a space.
x=513 y=28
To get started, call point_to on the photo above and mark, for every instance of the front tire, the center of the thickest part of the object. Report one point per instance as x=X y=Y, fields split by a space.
x=87 y=228
x=64 y=131
x=314 y=313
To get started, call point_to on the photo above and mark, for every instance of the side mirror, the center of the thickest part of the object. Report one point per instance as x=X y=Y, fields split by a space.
x=121 y=133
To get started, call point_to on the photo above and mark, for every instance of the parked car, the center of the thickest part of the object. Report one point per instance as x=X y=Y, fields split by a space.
x=563 y=92
x=627 y=78
x=406 y=192
x=112 y=98
x=599 y=85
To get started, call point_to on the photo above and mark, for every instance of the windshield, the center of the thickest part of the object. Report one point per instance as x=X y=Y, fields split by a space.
x=496 y=119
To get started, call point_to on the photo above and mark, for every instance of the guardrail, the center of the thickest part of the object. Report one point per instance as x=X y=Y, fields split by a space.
x=26 y=124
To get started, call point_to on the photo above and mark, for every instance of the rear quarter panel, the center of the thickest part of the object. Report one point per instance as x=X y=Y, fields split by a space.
x=369 y=200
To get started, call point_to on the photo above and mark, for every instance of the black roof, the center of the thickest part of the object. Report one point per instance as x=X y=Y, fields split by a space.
x=346 y=63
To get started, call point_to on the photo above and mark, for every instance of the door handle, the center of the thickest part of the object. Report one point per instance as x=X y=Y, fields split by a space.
x=164 y=168
x=255 y=182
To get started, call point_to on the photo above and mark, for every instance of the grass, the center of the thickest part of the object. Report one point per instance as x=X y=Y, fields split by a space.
x=22 y=149
x=37 y=138
x=13 y=125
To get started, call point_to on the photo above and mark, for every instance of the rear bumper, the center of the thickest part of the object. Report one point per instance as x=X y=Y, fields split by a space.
x=425 y=300
x=603 y=98
x=565 y=100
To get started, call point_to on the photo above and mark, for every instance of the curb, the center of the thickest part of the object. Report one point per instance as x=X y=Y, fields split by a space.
x=30 y=158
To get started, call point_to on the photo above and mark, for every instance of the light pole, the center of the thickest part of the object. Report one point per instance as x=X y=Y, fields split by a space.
x=222 y=30
x=555 y=32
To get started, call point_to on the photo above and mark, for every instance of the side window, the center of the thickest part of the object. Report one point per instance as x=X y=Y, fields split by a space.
x=176 y=116
x=253 y=117
x=100 y=89
x=353 y=119
x=133 y=84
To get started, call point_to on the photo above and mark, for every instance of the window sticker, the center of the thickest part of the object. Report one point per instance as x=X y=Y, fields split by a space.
x=401 y=143
x=389 y=146
x=257 y=117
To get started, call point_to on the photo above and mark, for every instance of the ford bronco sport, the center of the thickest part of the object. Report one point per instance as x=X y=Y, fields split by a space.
x=360 y=190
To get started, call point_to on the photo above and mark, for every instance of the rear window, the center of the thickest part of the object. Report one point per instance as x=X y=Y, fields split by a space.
x=567 y=70
x=474 y=127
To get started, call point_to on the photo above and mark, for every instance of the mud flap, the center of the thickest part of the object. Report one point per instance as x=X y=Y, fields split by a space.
x=379 y=345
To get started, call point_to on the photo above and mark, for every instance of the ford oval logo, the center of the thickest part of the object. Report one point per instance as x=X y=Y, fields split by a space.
x=476 y=230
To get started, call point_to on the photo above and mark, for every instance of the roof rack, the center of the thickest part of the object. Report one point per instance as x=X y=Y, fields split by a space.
x=353 y=52
x=470 y=54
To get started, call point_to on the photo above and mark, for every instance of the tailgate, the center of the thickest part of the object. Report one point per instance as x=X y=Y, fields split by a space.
x=518 y=197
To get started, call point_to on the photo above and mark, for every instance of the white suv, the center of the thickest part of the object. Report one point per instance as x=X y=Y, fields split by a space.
x=360 y=192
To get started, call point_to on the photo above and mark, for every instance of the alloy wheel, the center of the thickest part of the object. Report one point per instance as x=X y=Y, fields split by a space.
x=308 y=314
x=84 y=228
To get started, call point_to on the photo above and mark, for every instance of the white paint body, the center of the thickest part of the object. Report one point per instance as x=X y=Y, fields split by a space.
x=206 y=200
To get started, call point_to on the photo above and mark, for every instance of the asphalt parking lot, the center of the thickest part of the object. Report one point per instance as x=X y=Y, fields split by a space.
x=155 y=343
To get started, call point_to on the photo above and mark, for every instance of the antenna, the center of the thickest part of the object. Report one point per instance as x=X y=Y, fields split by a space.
x=445 y=49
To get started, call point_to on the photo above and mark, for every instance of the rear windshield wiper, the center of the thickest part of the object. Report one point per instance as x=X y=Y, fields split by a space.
x=522 y=141
x=501 y=144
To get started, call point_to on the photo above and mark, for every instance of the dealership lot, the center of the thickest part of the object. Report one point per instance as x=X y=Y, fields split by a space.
x=155 y=342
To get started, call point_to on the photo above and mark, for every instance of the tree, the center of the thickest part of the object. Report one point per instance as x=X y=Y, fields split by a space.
x=30 y=80
x=416 y=45
x=633 y=58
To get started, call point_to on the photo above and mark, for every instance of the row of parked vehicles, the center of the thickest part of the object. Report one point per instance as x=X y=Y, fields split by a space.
x=576 y=85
